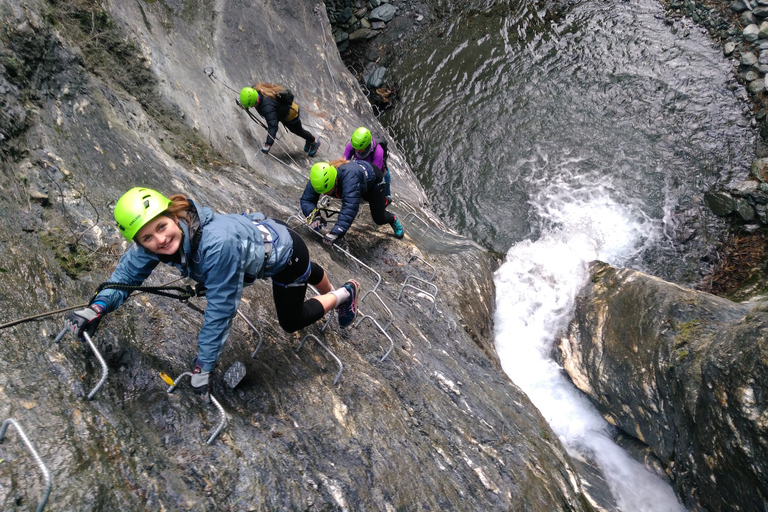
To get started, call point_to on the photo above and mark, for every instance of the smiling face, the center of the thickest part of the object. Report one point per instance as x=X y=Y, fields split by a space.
x=161 y=235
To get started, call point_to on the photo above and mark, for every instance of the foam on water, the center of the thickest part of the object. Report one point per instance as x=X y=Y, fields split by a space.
x=535 y=291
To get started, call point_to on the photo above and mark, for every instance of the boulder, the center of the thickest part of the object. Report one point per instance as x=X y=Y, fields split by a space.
x=383 y=13
x=683 y=371
x=759 y=170
x=750 y=32
x=721 y=203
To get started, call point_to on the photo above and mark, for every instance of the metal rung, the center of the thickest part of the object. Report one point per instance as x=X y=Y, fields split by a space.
x=250 y=324
x=382 y=303
x=317 y=340
x=104 y=369
x=384 y=332
x=426 y=283
x=215 y=402
x=38 y=460
x=417 y=257
x=349 y=254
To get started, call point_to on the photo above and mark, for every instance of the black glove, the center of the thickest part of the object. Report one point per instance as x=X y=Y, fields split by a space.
x=265 y=148
x=201 y=383
x=84 y=320
x=330 y=238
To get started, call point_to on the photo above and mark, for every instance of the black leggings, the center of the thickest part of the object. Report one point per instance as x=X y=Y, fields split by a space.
x=376 y=196
x=293 y=312
x=295 y=127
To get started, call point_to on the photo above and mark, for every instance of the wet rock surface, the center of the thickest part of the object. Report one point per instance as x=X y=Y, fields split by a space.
x=101 y=100
x=682 y=372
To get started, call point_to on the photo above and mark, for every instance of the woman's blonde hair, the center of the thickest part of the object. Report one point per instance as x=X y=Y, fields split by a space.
x=339 y=162
x=269 y=89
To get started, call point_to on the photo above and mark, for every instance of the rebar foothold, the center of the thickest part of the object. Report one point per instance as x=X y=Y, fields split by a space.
x=38 y=460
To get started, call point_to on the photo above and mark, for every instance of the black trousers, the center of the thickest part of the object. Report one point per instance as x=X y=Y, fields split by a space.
x=293 y=312
x=296 y=128
x=376 y=195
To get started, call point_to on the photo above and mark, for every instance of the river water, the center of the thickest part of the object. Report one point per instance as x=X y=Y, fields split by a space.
x=560 y=140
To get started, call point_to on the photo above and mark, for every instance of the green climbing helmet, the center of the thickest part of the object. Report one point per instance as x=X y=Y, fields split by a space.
x=322 y=177
x=137 y=207
x=249 y=97
x=361 y=139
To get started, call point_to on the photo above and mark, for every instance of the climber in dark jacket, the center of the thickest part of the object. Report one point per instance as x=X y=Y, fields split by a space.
x=275 y=104
x=223 y=252
x=351 y=182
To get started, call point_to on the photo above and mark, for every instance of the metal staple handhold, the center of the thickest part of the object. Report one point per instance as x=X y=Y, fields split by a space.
x=215 y=402
x=383 y=304
x=38 y=460
x=250 y=324
x=104 y=368
x=317 y=340
x=383 y=331
x=426 y=283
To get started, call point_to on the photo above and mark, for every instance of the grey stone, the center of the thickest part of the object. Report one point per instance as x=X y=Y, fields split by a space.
x=738 y=6
x=762 y=213
x=362 y=33
x=340 y=36
x=748 y=59
x=383 y=13
x=760 y=12
x=763 y=34
x=759 y=170
x=376 y=79
x=721 y=203
x=747 y=18
x=345 y=15
x=745 y=188
x=756 y=86
x=728 y=49
x=378 y=25
x=750 y=32
x=744 y=210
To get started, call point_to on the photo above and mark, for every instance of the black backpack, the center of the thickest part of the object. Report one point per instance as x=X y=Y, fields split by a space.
x=383 y=143
x=285 y=97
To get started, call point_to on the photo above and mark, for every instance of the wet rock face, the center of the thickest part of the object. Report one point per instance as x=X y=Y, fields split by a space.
x=685 y=373
x=435 y=426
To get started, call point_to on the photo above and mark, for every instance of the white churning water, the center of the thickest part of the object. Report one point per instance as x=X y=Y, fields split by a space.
x=535 y=291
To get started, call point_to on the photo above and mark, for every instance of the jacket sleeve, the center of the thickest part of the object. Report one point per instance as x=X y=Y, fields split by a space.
x=133 y=268
x=269 y=113
x=223 y=274
x=350 y=200
x=309 y=200
x=348 y=152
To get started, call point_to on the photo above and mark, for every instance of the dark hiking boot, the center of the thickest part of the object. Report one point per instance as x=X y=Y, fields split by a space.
x=313 y=148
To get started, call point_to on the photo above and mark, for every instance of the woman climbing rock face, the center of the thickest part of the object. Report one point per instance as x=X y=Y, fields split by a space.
x=275 y=104
x=224 y=253
x=351 y=182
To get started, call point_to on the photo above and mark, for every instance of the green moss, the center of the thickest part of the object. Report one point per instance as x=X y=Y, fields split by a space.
x=686 y=332
x=73 y=259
